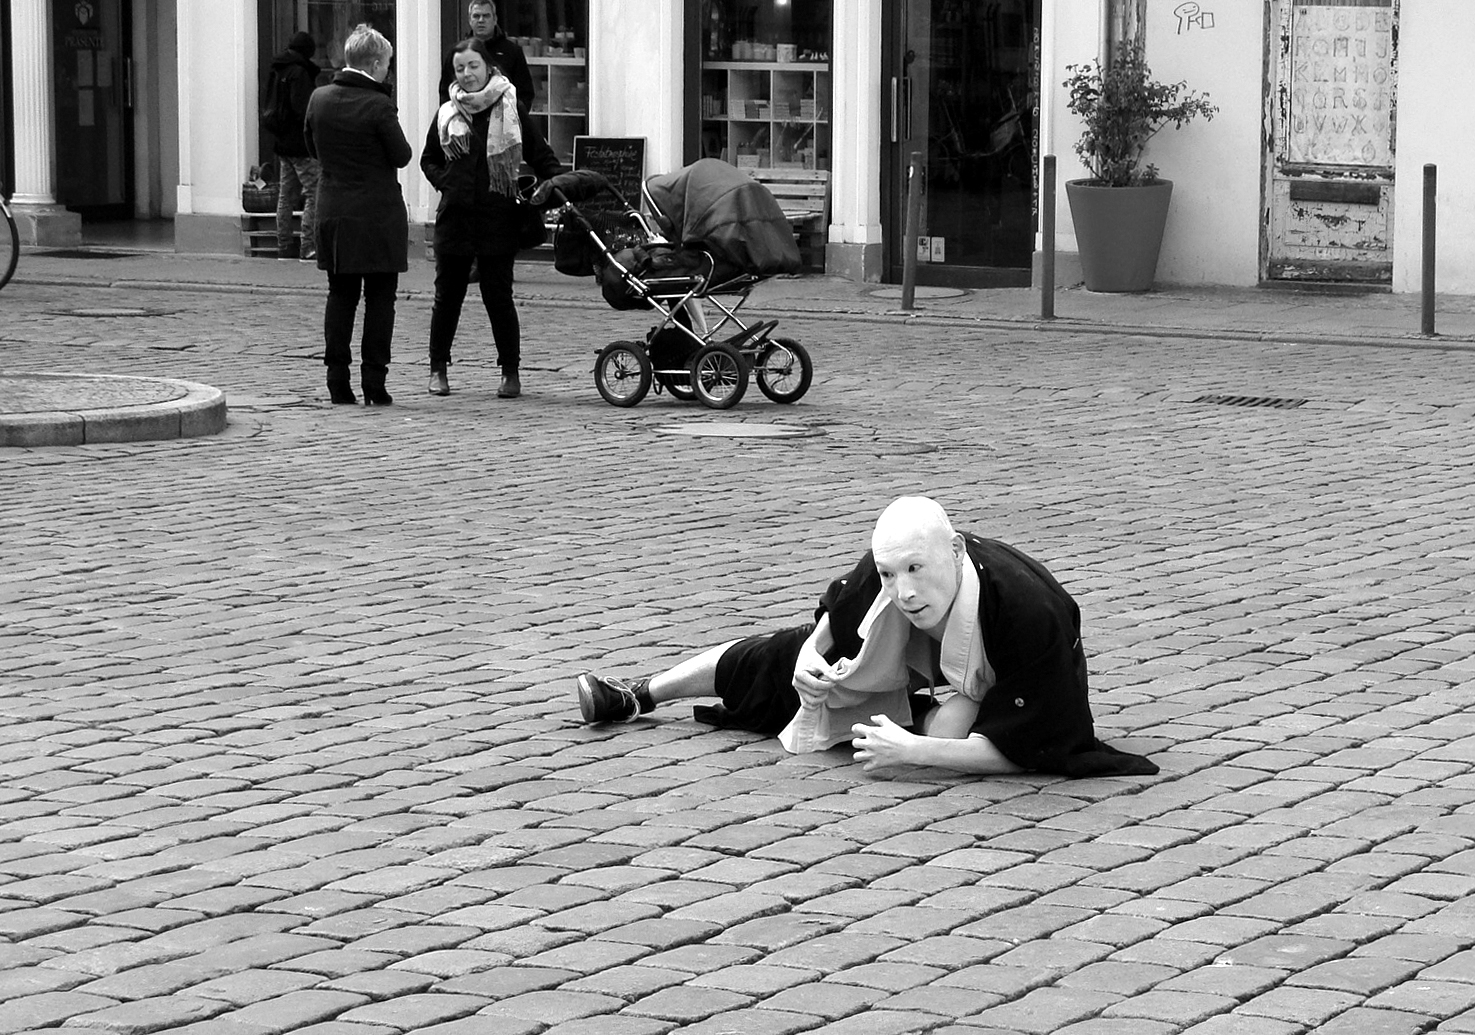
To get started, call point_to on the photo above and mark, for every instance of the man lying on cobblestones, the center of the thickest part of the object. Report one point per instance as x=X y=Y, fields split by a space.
x=926 y=609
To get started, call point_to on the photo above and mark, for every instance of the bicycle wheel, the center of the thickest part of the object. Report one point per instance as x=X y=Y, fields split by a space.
x=622 y=373
x=719 y=376
x=14 y=248
x=784 y=370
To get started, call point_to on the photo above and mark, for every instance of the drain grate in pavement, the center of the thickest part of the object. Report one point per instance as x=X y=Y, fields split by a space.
x=1264 y=401
x=729 y=429
x=100 y=312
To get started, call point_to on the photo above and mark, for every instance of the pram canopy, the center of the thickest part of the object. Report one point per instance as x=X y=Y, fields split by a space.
x=718 y=206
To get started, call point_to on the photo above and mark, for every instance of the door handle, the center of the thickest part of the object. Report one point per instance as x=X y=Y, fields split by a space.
x=128 y=83
x=895 y=114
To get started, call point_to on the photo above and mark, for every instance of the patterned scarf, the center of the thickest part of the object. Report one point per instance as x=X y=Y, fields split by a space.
x=504 y=131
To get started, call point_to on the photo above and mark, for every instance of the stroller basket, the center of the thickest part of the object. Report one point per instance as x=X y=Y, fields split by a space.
x=576 y=255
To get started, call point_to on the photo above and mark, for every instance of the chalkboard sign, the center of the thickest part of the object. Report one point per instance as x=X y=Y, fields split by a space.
x=621 y=159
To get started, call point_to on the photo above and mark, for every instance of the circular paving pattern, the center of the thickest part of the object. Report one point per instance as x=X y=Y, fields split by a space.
x=45 y=409
x=895 y=291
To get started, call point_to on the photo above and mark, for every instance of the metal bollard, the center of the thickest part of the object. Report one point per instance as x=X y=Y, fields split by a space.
x=909 y=238
x=1047 y=237
x=1430 y=179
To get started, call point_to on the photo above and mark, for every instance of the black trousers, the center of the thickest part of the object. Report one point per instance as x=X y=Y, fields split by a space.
x=344 y=290
x=452 y=273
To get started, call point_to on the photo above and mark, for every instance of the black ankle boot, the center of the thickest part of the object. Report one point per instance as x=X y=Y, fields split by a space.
x=340 y=390
x=374 y=392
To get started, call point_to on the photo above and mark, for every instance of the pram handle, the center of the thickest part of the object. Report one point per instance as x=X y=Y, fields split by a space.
x=574 y=187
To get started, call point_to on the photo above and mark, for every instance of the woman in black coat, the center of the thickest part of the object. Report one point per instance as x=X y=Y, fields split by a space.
x=363 y=231
x=472 y=155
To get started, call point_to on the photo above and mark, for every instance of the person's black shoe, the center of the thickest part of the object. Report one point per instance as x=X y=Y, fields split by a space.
x=339 y=388
x=377 y=397
x=607 y=700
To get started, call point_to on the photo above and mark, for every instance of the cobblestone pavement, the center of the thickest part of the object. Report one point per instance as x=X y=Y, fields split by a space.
x=288 y=743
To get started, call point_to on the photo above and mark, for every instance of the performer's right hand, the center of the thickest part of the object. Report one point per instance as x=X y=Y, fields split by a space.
x=814 y=678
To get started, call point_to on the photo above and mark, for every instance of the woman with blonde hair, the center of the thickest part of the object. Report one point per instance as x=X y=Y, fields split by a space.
x=363 y=230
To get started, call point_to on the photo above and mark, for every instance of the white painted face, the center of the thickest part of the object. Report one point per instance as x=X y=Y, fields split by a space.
x=920 y=565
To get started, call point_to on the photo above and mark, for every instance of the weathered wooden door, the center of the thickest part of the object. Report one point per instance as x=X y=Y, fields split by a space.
x=1331 y=114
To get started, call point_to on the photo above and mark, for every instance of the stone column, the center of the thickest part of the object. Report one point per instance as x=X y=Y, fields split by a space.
x=860 y=128
x=40 y=219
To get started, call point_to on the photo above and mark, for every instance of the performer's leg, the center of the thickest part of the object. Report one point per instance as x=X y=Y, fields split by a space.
x=607 y=699
x=694 y=677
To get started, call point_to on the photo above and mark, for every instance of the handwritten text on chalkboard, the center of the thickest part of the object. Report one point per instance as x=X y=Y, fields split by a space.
x=620 y=159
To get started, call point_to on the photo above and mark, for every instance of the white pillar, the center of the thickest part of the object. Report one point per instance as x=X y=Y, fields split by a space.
x=856 y=121
x=218 y=82
x=35 y=137
x=417 y=61
x=40 y=218
x=636 y=76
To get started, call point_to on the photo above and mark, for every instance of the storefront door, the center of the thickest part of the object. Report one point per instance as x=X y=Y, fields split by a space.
x=1329 y=165
x=93 y=61
x=961 y=89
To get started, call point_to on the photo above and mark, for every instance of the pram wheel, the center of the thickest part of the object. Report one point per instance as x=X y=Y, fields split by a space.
x=784 y=370
x=622 y=373
x=719 y=376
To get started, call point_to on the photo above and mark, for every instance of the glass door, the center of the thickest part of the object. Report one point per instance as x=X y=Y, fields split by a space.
x=93 y=59
x=329 y=23
x=962 y=91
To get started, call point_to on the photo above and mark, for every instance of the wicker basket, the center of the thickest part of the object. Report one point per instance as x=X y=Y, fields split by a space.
x=259 y=199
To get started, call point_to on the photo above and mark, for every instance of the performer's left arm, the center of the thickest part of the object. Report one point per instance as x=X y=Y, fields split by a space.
x=946 y=741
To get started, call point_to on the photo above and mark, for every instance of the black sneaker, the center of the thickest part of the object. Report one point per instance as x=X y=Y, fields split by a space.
x=607 y=700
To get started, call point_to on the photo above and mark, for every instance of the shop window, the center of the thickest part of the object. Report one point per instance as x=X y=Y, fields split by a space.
x=554 y=36
x=329 y=23
x=765 y=91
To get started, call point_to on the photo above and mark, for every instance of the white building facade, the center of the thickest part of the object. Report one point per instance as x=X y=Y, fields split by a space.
x=1312 y=170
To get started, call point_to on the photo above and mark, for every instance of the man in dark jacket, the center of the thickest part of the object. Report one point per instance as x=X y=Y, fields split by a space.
x=507 y=55
x=289 y=83
x=927 y=607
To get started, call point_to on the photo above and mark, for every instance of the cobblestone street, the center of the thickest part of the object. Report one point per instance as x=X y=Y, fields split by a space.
x=288 y=740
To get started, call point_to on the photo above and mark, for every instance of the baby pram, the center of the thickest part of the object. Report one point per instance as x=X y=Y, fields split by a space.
x=712 y=234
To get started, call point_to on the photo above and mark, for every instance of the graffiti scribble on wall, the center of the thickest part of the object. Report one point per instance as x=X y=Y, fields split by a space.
x=1192 y=16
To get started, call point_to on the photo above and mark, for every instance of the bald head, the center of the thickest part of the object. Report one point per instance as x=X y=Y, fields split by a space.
x=919 y=558
x=915 y=519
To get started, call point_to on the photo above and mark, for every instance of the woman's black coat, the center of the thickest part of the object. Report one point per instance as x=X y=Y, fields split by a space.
x=353 y=131
x=471 y=219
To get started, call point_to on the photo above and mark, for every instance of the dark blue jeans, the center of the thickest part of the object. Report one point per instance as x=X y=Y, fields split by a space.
x=452 y=274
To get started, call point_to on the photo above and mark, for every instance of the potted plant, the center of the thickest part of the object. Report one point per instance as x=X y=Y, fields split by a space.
x=1121 y=209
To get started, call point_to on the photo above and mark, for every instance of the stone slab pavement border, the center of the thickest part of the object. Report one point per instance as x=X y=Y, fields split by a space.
x=1265 y=314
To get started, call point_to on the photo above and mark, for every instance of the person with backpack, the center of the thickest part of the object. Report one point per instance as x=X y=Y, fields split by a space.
x=289 y=83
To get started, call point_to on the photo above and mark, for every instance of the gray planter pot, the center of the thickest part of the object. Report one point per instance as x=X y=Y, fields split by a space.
x=1119 y=231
